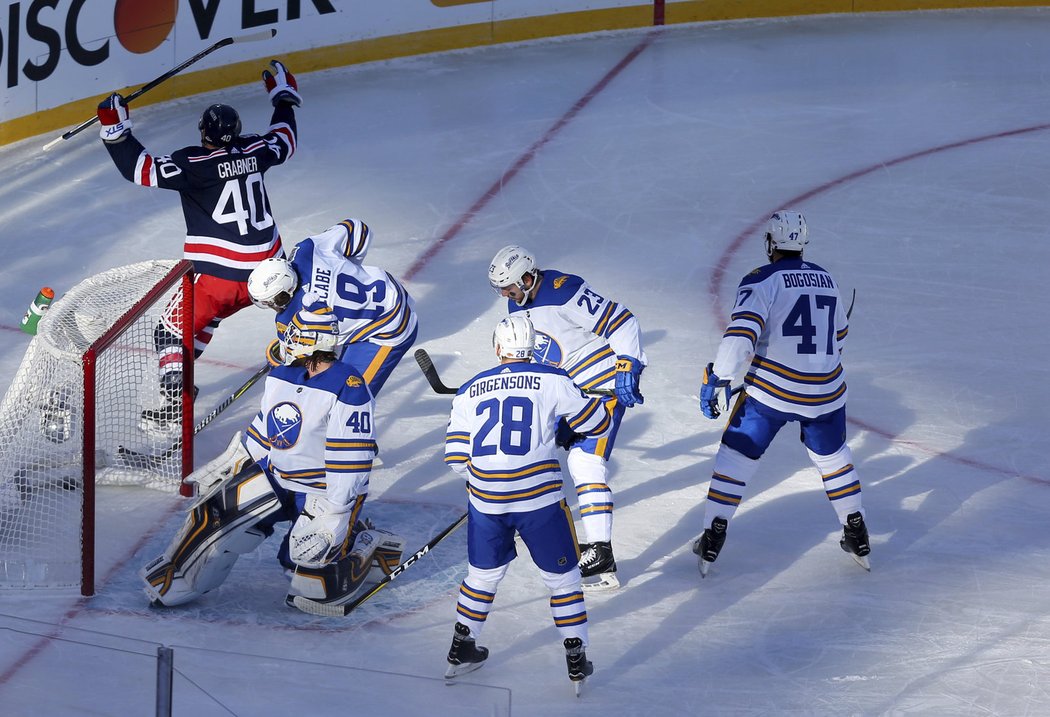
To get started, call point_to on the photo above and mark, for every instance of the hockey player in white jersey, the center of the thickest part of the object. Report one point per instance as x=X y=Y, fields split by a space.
x=598 y=342
x=376 y=316
x=787 y=332
x=501 y=440
x=306 y=459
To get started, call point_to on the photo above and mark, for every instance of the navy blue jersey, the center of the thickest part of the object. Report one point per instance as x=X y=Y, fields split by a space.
x=229 y=228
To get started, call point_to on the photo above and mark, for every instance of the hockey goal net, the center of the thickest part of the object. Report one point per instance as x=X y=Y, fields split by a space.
x=72 y=418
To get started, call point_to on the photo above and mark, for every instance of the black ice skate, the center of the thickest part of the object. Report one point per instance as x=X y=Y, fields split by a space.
x=580 y=668
x=596 y=560
x=855 y=539
x=464 y=656
x=710 y=543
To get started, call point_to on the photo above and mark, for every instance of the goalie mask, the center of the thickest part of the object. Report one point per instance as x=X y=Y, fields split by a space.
x=514 y=338
x=786 y=231
x=509 y=267
x=311 y=331
x=272 y=284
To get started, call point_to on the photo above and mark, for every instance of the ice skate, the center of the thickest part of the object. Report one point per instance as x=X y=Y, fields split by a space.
x=464 y=655
x=855 y=540
x=597 y=562
x=580 y=668
x=710 y=543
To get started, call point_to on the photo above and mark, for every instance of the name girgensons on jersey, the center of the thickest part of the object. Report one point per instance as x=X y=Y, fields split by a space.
x=506 y=383
x=237 y=167
x=805 y=279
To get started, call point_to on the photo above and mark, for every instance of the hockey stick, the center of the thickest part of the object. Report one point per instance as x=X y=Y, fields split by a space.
x=426 y=365
x=150 y=461
x=319 y=608
x=264 y=35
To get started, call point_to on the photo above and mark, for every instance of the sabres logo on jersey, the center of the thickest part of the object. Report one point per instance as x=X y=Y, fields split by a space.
x=559 y=281
x=547 y=350
x=283 y=424
x=353 y=381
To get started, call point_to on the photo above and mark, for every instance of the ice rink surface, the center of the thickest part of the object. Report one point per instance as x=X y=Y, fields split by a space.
x=917 y=146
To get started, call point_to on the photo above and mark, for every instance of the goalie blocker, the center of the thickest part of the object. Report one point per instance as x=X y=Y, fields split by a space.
x=235 y=512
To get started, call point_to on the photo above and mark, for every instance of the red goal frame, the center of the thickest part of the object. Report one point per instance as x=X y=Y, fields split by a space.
x=180 y=274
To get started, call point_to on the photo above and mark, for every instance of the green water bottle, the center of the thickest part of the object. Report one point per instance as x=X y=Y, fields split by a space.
x=37 y=309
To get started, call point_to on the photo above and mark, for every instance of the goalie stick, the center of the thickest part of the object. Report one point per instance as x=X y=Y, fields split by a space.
x=426 y=365
x=150 y=461
x=264 y=35
x=325 y=610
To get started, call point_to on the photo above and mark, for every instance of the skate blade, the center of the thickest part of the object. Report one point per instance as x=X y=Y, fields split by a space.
x=862 y=561
x=606 y=582
x=578 y=687
x=455 y=671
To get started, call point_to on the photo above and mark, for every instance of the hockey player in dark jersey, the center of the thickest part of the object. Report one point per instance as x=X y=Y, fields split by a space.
x=229 y=227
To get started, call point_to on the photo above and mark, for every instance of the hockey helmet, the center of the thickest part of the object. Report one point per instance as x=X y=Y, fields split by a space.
x=312 y=330
x=786 y=231
x=509 y=267
x=272 y=284
x=514 y=337
x=219 y=125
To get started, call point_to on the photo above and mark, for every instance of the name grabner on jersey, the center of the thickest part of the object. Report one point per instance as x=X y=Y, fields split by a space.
x=506 y=383
x=237 y=167
x=803 y=279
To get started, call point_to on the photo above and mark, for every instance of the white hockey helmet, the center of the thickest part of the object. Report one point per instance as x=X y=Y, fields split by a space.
x=786 y=231
x=514 y=337
x=272 y=284
x=509 y=267
x=313 y=329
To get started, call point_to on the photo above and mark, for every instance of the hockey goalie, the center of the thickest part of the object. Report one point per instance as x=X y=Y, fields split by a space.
x=306 y=459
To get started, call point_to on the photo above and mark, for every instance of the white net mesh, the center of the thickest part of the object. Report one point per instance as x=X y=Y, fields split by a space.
x=41 y=431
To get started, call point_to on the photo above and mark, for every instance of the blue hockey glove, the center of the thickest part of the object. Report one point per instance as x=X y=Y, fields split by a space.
x=115 y=118
x=281 y=85
x=714 y=393
x=628 y=375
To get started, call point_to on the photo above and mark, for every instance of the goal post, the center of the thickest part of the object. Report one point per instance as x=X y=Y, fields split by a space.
x=73 y=418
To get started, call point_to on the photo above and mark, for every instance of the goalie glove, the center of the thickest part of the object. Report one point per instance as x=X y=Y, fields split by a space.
x=229 y=464
x=319 y=534
x=115 y=118
x=714 y=393
x=281 y=85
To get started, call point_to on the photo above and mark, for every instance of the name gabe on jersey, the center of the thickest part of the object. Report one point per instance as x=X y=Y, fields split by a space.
x=804 y=279
x=523 y=382
x=237 y=167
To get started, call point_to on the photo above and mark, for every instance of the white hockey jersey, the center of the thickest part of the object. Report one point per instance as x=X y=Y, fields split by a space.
x=789 y=326
x=316 y=433
x=580 y=331
x=501 y=434
x=369 y=304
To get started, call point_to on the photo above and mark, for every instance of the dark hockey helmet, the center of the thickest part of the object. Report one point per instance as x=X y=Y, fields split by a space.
x=220 y=125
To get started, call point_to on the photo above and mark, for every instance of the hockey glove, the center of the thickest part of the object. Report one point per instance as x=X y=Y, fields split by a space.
x=318 y=535
x=281 y=85
x=564 y=436
x=628 y=375
x=115 y=118
x=714 y=393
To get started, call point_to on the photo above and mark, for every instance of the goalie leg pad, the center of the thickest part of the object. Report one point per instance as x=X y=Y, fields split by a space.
x=338 y=582
x=228 y=522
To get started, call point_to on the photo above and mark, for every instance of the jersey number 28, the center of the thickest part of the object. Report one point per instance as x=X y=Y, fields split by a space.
x=514 y=417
